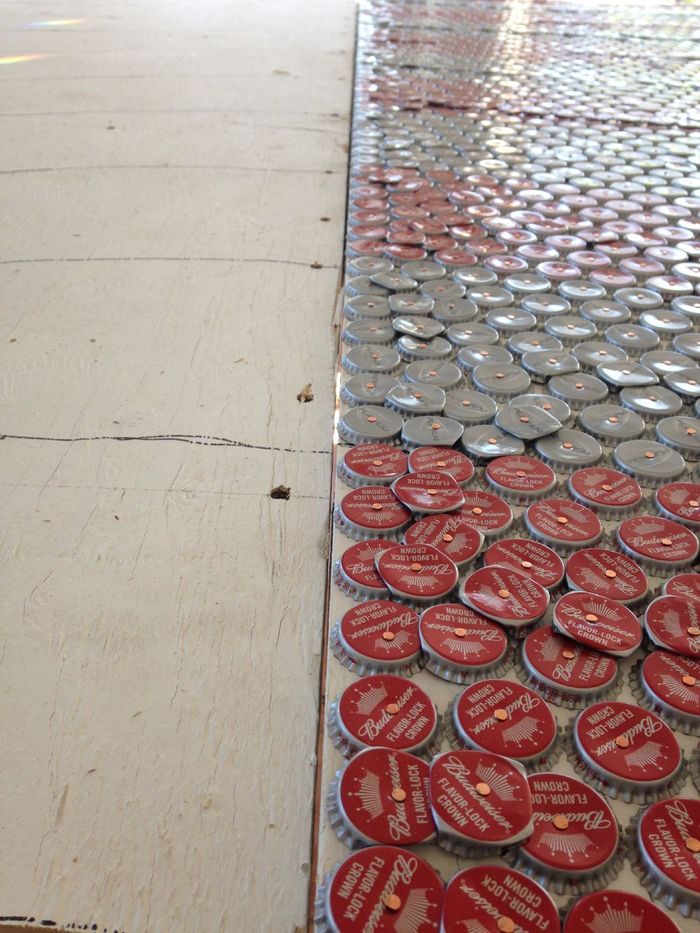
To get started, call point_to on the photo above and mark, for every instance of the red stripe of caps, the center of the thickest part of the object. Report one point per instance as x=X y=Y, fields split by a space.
x=356 y=571
x=486 y=512
x=562 y=523
x=668 y=836
x=505 y=595
x=417 y=571
x=680 y=501
x=672 y=685
x=597 y=622
x=607 y=573
x=617 y=912
x=626 y=747
x=576 y=834
x=534 y=560
x=451 y=534
x=673 y=622
x=373 y=510
x=685 y=585
x=383 y=710
x=505 y=718
x=658 y=543
x=382 y=798
x=524 y=476
x=382 y=631
x=385 y=889
x=458 y=465
x=375 y=463
x=479 y=798
x=462 y=638
x=608 y=491
x=569 y=669
x=479 y=897
x=428 y=492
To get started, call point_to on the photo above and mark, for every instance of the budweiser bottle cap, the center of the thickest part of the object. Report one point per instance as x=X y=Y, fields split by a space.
x=563 y=525
x=491 y=897
x=452 y=462
x=372 y=465
x=659 y=544
x=461 y=645
x=534 y=560
x=487 y=513
x=669 y=684
x=520 y=479
x=597 y=622
x=371 y=512
x=611 y=911
x=428 y=492
x=607 y=492
x=356 y=574
x=452 y=534
x=418 y=573
x=608 y=573
x=673 y=621
x=685 y=585
x=504 y=595
x=377 y=637
x=680 y=502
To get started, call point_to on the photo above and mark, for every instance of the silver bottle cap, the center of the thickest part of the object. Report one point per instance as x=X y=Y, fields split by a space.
x=475 y=276
x=368 y=424
x=611 y=423
x=622 y=373
x=431 y=430
x=454 y=311
x=471 y=334
x=632 y=338
x=367 y=306
x=543 y=364
x=365 y=389
x=417 y=305
x=556 y=407
x=366 y=331
x=532 y=341
x=667 y=324
x=650 y=463
x=375 y=359
x=569 y=450
x=484 y=442
x=603 y=312
x=469 y=358
x=686 y=382
x=651 y=402
x=546 y=305
x=570 y=329
x=682 y=433
x=422 y=328
x=469 y=407
x=510 y=321
x=689 y=344
x=527 y=422
x=664 y=362
x=363 y=285
x=414 y=399
x=394 y=281
x=433 y=372
x=594 y=352
x=368 y=265
x=578 y=390
x=423 y=270
x=443 y=289
x=412 y=349
x=501 y=381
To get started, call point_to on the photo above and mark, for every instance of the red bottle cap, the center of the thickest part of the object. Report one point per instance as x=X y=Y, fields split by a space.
x=536 y=561
x=383 y=710
x=505 y=595
x=461 y=644
x=680 y=502
x=381 y=798
x=356 y=574
x=608 y=492
x=428 y=492
x=520 y=479
x=451 y=534
x=671 y=687
x=371 y=512
x=597 y=622
x=607 y=573
x=576 y=834
x=617 y=912
x=507 y=719
x=444 y=460
x=625 y=750
x=562 y=524
x=417 y=572
x=480 y=801
x=658 y=543
x=378 y=636
x=565 y=672
x=385 y=889
x=668 y=837
x=673 y=622
x=372 y=464
x=487 y=513
x=685 y=585
x=490 y=897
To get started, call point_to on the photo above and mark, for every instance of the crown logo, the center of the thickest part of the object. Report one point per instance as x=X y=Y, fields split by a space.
x=678 y=689
x=647 y=754
x=567 y=844
x=593 y=479
x=499 y=783
x=459 y=646
x=369 y=793
x=521 y=731
x=550 y=649
x=648 y=527
x=415 y=912
x=400 y=640
x=370 y=699
x=616 y=921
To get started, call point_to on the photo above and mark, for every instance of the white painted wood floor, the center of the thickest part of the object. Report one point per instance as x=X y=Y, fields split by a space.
x=164 y=168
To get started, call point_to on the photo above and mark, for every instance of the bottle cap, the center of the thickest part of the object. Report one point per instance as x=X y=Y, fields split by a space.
x=621 y=373
x=604 y=311
x=368 y=265
x=452 y=462
x=520 y=479
x=450 y=311
x=366 y=359
x=384 y=711
x=369 y=424
x=663 y=856
x=658 y=544
x=487 y=513
x=507 y=596
x=689 y=344
x=685 y=585
x=483 y=442
x=428 y=492
x=372 y=465
x=461 y=645
x=611 y=911
x=394 y=281
x=611 y=424
x=607 y=573
x=569 y=450
x=363 y=285
x=651 y=402
x=372 y=307
x=365 y=331
x=410 y=399
x=418 y=573
x=423 y=270
x=469 y=358
x=627 y=752
x=469 y=407
x=597 y=622
x=576 y=845
x=664 y=362
x=422 y=328
x=418 y=306
x=431 y=431
x=650 y=463
x=594 y=352
x=378 y=637
x=443 y=289
x=543 y=364
x=562 y=524
x=532 y=341
x=607 y=492
x=412 y=348
x=472 y=334
x=682 y=434
x=371 y=512
x=669 y=685
x=479 y=897
x=367 y=389
x=385 y=886
x=673 y=621
x=501 y=381
x=453 y=535
x=632 y=338
x=433 y=373
x=509 y=321
x=526 y=421
x=536 y=561
x=554 y=406
x=685 y=382
x=481 y=802
x=667 y=324
x=578 y=390
x=381 y=798
x=505 y=718
x=680 y=502
x=570 y=329
x=355 y=573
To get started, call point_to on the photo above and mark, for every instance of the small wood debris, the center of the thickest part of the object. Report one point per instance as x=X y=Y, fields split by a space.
x=306 y=394
x=280 y=492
